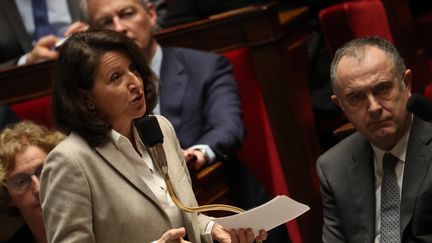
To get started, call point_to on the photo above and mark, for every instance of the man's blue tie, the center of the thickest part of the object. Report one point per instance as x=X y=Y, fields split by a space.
x=40 y=16
x=390 y=202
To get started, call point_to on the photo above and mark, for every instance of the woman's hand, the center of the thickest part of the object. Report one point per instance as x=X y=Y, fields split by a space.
x=173 y=235
x=235 y=236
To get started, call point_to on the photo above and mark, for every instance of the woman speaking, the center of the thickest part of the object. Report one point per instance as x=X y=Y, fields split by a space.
x=100 y=184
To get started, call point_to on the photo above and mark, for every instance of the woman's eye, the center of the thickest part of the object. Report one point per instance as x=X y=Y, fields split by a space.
x=115 y=77
x=20 y=181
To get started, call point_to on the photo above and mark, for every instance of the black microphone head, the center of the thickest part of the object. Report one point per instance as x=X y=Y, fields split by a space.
x=149 y=131
x=420 y=106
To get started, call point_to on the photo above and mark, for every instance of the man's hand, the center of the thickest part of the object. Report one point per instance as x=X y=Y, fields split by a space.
x=190 y=153
x=235 y=236
x=173 y=235
x=43 y=50
x=76 y=27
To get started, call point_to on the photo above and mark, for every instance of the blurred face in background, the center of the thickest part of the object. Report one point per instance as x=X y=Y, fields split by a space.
x=373 y=96
x=23 y=183
x=129 y=17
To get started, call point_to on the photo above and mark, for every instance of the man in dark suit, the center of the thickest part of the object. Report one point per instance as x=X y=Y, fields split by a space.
x=372 y=86
x=17 y=41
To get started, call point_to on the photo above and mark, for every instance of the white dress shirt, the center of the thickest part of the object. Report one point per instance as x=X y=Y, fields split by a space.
x=149 y=173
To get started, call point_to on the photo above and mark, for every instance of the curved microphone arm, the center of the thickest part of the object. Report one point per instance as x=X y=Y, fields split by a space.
x=200 y=209
x=152 y=137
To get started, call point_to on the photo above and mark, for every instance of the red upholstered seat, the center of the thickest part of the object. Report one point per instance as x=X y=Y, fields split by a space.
x=428 y=92
x=37 y=110
x=259 y=149
x=352 y=19
x=346 y=21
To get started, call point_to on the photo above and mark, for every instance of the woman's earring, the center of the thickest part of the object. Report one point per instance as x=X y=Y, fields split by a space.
x=91 y=107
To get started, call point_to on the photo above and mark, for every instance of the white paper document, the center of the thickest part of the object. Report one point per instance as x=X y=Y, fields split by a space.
x=267 y=216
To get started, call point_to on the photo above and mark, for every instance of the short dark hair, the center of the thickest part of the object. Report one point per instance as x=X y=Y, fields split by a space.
x=356 y=48
x=85 y=14
x=75 y=71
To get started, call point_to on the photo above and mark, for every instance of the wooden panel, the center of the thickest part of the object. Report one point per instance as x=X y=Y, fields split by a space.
x=25 y=82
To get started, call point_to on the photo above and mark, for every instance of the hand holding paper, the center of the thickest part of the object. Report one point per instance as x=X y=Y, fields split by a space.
x=277 y=211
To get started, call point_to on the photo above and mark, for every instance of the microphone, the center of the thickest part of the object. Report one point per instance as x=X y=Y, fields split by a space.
x=420 y=106
x=152 y=137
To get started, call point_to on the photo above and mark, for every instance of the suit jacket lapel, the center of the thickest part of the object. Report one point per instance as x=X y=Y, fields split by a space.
x=174 y=82
x=13 y=17
x=416 y=167
x=112 y=156
x=362 y=178
x=74 y=10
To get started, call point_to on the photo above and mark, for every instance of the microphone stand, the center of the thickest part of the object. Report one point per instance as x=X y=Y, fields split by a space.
x=199 y=209
x=163 y=168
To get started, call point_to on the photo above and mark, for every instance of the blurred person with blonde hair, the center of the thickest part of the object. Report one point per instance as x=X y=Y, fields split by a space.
x=23 y=149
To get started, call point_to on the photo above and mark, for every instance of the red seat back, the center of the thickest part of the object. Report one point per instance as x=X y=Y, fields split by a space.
x=343 y=22
x=258 y=151
x=37 y=110
x=353 y=19
x=259 y=148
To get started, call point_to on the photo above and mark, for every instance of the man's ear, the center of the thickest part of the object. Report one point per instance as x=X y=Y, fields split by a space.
x=151 y=11
x=408 y=79
x=336 y=100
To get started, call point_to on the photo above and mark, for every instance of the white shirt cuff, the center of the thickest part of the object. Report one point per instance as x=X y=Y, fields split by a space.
x=209 y=228
x=209 y=152
x=22 y=60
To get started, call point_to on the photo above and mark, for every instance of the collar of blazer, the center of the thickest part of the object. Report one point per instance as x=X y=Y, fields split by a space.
x=110 y=154
x=362 y=181
x=418 y=161
x=174 y=80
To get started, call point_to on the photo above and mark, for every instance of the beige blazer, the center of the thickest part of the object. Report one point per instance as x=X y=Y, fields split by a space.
x=94 y=194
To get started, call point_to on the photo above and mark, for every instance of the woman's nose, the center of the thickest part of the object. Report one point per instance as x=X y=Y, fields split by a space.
x=134 y=81
x=35 y=184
